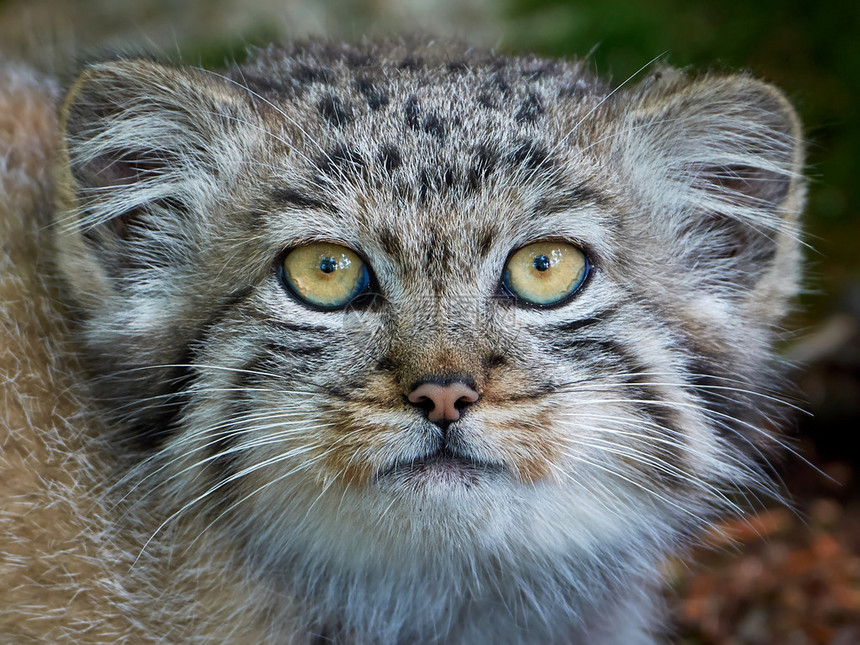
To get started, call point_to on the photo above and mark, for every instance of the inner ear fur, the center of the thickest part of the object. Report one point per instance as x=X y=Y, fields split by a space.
x=718 y=160
x=136 y=129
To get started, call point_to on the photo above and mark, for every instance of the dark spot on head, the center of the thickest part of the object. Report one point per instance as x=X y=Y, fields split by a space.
x=411 y=112
x=437 y=254
x=484 y=163
x=389 y=156
x=457 y=66
x=530 y=109
x=499 y=82
x=534 y=73
x=375 y=96
x=267 y=86
x=335 y=111
x=529 y=154
x=436 y=180
x=359 y=59
x=425 y=183
x=493 y=91
x=486 y=100
x=340 y=159
x=434 y=126
x=577 y=89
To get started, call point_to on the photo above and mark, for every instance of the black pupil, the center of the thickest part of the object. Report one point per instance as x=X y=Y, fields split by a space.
x=327 y=265
x=541 y=263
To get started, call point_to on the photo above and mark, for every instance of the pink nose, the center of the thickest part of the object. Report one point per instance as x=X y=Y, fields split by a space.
x=446 y=400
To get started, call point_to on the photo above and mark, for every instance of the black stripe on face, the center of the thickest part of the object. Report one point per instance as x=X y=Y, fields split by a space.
x=303 y=349
x=665 y=426
x=597 y=350
x=650 y=399
x=263 y=371
x=576 y=325
x=161 y=420
x=609 y=360
x=573 y=197
x=289 y=326
x=277 y=362
x=636 y=376
x=221 y=447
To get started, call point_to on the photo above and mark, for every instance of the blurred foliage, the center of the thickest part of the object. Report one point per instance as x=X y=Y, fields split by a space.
x=807 y=48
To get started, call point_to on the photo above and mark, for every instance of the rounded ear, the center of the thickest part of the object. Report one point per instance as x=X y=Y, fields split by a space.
x=735 y=141
x=719 y=162
x=144 y=145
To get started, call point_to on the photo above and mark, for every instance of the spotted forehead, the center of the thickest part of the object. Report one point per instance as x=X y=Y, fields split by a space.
x=421 y=123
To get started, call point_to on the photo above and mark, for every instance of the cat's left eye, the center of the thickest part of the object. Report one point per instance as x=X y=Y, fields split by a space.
x=545 y=273
x=328 y=276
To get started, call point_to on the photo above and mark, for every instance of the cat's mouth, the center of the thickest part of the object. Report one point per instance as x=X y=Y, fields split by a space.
x=444 y=466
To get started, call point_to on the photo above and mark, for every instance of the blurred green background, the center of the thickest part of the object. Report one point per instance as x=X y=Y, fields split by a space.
x=810 y=49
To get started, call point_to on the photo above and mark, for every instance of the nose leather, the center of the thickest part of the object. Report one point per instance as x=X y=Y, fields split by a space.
x=446 y=399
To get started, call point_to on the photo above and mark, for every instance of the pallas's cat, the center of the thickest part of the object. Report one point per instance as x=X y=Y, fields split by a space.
x=384 y=344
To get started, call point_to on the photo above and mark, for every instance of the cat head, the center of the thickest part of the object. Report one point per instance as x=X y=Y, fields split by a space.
x=383 y=300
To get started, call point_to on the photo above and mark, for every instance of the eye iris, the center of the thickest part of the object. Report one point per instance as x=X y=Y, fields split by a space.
x=325 y=275
x=545 y=273
x=541 y=263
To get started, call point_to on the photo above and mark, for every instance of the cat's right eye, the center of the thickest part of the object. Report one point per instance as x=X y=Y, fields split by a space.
x=327 y=276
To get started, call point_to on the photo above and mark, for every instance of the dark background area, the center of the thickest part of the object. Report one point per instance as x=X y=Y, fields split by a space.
x=783 y=577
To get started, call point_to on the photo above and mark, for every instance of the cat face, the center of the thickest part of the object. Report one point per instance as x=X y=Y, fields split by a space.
x=392 y=301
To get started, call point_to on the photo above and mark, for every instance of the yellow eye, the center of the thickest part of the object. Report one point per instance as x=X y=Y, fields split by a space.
x=545 y=273
x=327 y=276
